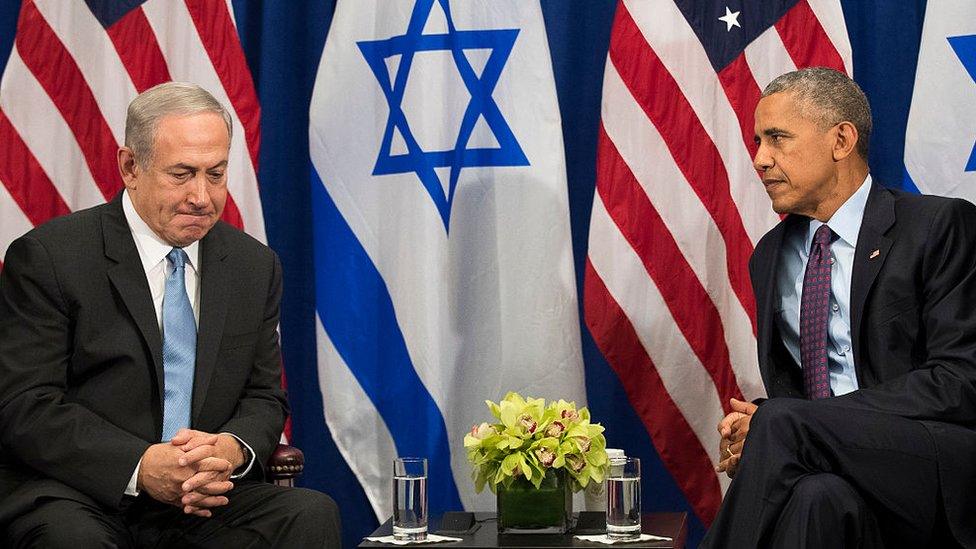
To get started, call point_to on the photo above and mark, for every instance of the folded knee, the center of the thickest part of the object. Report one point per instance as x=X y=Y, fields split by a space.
x=779 y=416
x=311 y=511
x=825 y=490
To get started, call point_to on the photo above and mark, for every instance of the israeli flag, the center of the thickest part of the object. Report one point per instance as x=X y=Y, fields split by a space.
x=940 y=140
x=444 y=272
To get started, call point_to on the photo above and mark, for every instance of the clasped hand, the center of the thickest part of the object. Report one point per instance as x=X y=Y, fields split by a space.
x=191 y=471
x=733 y=429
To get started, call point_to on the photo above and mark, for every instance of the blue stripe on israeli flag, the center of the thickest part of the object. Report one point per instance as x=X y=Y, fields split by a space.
x=357 y=312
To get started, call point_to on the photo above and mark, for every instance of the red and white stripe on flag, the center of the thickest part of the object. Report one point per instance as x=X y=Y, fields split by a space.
x=70 y=77
x=678 y=210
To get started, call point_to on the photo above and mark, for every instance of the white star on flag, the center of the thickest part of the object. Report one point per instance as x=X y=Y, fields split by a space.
x=731 y=19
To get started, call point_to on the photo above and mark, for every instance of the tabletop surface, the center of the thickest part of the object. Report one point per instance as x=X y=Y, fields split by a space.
x=485 y=534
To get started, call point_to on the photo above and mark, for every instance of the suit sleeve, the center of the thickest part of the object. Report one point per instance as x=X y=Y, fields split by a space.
x=39 y=426
x=263 y=407
x=943 y=388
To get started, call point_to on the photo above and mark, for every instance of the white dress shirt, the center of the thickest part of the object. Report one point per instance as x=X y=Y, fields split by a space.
x=153 y=251
x=846 y=224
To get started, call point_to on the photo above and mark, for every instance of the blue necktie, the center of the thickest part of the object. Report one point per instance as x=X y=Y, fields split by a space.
x=179 y=347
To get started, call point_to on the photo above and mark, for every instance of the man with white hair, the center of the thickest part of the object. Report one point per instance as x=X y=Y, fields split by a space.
x=139 y=359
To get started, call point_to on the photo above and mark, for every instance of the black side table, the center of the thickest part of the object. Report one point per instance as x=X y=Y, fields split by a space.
x=485 y=534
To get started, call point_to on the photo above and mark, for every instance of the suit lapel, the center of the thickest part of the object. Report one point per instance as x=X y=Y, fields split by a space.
x=869 y=257
x=214 y=281
x=129 y=279
x=766 y=292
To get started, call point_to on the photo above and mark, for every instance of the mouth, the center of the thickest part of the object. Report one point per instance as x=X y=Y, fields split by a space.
x=195 y=219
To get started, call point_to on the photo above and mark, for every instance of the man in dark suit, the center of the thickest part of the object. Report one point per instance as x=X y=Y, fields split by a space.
x=867 y=345
x=139 y=360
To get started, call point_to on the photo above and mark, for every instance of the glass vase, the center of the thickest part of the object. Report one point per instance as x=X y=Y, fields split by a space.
x=525 y=509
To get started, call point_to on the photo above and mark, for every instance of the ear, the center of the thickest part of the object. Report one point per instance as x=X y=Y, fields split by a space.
x=128 y=167
x=845 y=140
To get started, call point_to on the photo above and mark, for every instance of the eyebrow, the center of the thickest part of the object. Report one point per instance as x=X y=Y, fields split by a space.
x=771 y=131
x=187 y=167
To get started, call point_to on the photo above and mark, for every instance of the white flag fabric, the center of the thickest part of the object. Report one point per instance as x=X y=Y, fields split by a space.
x=940 y=140
x=444 y=271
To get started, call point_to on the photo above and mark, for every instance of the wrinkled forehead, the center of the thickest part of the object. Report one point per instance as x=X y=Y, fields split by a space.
x=788 y=107
x=801 y=107
x=200 y=134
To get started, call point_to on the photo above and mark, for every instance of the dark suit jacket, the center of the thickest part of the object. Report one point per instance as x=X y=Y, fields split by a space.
x=81 y=368
x=913 y=327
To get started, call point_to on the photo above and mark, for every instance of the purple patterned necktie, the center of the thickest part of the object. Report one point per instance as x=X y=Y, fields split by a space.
x=813 y=316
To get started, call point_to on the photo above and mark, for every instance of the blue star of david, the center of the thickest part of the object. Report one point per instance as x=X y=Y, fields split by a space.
x=417 y=160
x=965 y=48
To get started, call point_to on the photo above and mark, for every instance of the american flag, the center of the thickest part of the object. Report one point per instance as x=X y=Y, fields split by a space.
x=678 y=209
x=75 y=67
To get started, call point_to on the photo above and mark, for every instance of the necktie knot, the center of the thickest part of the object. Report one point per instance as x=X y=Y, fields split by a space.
x=823 y=235
x=178 y=258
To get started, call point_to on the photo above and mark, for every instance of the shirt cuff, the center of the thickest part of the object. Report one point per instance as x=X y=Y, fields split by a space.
x=132 y=489
x=243 y=470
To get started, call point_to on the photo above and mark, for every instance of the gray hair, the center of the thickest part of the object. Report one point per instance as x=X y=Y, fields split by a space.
x=828 y=97
x=168 y=98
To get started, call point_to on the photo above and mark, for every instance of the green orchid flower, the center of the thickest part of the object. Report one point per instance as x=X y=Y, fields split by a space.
x=532 y=438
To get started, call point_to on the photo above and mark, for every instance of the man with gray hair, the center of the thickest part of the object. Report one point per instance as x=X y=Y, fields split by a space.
x=139 y=359
x=867 y=345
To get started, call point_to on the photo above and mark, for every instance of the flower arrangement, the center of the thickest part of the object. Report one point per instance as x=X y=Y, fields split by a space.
x=533 y=438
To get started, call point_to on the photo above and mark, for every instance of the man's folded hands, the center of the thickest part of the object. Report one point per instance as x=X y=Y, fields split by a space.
x=733 y=429
x=191 y=471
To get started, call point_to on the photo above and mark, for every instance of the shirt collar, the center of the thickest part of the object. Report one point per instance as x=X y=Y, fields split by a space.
x=846 y=221
x=152 y=248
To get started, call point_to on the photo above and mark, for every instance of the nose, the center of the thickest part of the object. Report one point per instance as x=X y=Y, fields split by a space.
x=197 y=194
x=763 y=160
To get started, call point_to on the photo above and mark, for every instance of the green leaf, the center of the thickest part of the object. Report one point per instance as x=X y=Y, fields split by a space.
x=509 y=413
x=494 y=409
x=509 y=464
x=597 y=474
x=471 y=442
x=524 y=465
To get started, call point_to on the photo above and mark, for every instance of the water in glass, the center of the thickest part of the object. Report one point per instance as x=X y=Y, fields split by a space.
x=624 y=500
x=410 y=509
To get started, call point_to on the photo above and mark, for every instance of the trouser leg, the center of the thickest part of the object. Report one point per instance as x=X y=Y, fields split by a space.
x=824 y=510
x=257 y=515
x=67 y=524
x=888 y=460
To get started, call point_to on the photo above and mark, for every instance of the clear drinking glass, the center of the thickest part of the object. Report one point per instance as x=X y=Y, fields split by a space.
x=624 y=499
x=410 y=498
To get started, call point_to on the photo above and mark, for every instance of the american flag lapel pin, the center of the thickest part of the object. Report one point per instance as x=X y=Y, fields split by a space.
x=874 y=254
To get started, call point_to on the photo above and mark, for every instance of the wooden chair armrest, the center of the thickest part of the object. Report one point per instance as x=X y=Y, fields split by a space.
x=286 y=463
